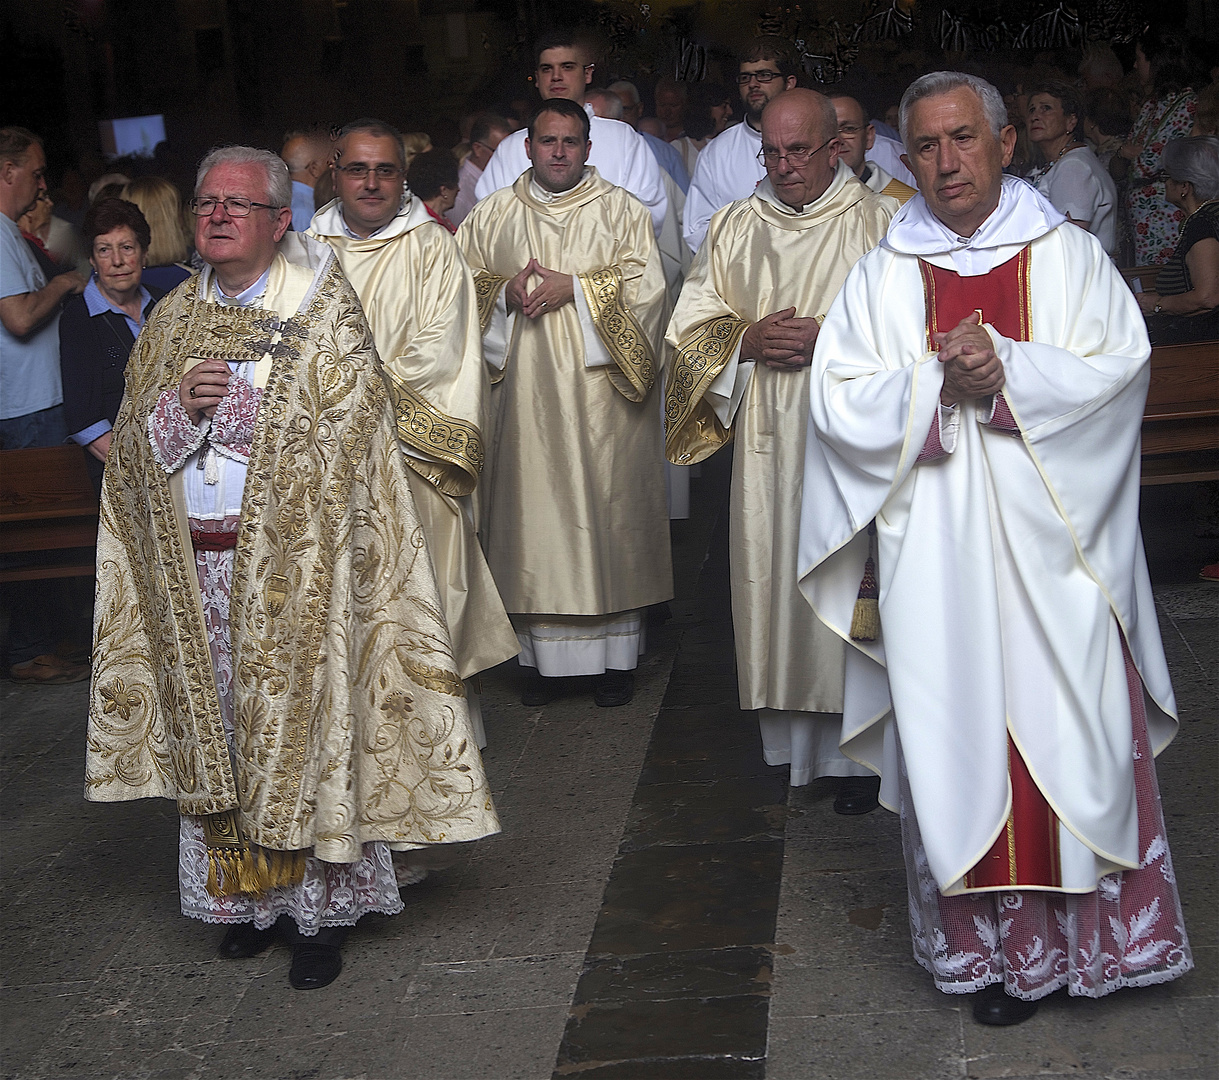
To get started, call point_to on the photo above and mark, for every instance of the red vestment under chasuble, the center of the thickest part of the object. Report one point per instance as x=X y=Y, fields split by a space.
x=1017 y=692
x=1026 y=851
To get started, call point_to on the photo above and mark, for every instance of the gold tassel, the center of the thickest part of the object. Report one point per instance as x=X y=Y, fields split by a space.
x=213 y=874
x=865 y=619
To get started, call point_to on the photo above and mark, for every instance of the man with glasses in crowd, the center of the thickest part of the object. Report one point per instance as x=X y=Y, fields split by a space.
x=269 y=647
x=856 y=137
x=419 y=299
x=565 y=70
x=743 y=332
x=729 y=167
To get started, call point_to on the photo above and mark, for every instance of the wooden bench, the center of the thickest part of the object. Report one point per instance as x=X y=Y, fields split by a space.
x=1181 y=420
x=48 y=510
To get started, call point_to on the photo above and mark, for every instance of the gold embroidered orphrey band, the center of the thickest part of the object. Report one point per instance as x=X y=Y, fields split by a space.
x=620 y=332
x=695 y=367
x=429 y=430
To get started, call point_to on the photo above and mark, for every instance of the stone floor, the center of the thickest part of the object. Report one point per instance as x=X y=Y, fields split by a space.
x=658 y=905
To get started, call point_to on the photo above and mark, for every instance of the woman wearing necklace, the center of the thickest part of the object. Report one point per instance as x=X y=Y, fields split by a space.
x=98 y=328
x=1185 y=304
x=1075 y=180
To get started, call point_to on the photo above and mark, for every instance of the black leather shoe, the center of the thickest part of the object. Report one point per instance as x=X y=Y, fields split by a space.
x=857 y=795
x=539 y=690
x=245 y=939
x=994 y=1006
x=614 y=688
x=314 y=965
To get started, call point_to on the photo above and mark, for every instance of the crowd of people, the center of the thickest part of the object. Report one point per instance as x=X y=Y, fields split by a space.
x=388 y=415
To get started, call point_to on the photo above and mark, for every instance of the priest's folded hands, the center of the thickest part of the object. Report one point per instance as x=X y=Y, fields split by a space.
x=203 y=388
x=781 y=340
x=556 y=290
x=971 y=368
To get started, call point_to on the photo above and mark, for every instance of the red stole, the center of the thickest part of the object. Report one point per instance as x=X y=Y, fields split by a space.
x=1026 y=851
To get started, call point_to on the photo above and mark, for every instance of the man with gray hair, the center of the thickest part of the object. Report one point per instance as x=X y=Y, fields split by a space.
x=269 y=646
x=970 y=525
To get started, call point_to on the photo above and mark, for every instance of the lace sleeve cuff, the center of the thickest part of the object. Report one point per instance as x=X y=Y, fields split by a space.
x=172 y=435
x=234 y=421
x=942 y=437
x=1001 y=418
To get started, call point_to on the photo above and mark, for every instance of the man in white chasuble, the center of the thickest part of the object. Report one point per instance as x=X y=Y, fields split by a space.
x=270 y=648
x=418 y=297
x=743 y=334
x=575 y=524
x=977 y=396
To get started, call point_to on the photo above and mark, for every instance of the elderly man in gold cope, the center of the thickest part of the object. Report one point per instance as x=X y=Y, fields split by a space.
x=269 y=647
x=419 y=298
x=743 y=332
x=573 y=299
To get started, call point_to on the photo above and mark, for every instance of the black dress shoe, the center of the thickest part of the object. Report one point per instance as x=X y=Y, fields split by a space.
x=614 y=688
x=857 y=795
x=245 y=939
x=314 y=965
x=996 y=1007
x=539 y=690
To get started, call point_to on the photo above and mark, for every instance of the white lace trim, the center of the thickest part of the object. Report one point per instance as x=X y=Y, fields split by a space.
x=171 y=434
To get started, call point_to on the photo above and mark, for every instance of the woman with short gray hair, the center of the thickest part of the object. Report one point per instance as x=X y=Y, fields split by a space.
x=1185 y=304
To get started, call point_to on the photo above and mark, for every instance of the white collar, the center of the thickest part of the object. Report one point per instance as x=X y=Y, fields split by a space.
x=765 y=190
x=543 y=196
x=329 y=220
x=245 y=298
x=1023 y=214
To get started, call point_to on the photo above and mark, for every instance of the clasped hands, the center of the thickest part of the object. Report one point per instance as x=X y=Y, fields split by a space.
x=555 y=290
x=780 y=340
x=971 y=368
x=203 y=388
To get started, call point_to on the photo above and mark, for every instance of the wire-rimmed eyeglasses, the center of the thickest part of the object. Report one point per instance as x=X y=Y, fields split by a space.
x=796 y=159
x=205 y=207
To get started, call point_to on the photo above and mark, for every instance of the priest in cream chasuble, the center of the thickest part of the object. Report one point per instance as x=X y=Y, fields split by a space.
x=575 y=524
x=418 y=296
x=977 y=392
x=270 y=650
x=763 y=279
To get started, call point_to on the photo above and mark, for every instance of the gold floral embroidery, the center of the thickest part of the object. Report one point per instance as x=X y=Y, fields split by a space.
x=487 y=287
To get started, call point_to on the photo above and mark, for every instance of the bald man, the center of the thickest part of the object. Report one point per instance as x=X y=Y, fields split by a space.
x=743 y=331
x=857 y=136
x=307 y=155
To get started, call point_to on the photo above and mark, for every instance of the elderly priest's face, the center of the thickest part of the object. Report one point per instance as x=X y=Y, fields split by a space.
x=558 y=151
x=800 y=146
x=956 y=158
x=240 y=248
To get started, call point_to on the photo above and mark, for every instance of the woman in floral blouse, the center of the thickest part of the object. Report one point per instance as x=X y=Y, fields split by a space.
x=1161 y=61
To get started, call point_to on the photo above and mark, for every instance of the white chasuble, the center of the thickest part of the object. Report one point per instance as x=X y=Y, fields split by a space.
x=418 y=295
x=1009 y=568
x=575 y=522
x=760 y=257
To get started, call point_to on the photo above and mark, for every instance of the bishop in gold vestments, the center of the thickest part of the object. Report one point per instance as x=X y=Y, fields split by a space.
x=418 y=296
x=270 y=650
x=765 y=257
x=576 y=527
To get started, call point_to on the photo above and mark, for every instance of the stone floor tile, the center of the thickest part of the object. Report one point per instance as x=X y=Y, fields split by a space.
x=512 y=860
x=866 y=1046
x=1132 y=1030
x=29 y=1018
x=867 y=850
x=628 y=1033
x=1201 y=1031
x=692 y=897
x=477 y=986
x=510 y=1044
x=696 y=973
x=714 y=811
x=1199 y=601
x=1203 y=981
x=808 y=984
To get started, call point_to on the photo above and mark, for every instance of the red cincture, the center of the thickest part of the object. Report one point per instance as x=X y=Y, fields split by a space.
x=1026 y=852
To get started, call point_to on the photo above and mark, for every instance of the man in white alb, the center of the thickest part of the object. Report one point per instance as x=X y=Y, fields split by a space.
x=619 y=154
x=729 y=167
x=977 y=395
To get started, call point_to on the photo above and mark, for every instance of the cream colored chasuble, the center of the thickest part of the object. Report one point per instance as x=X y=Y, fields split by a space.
x=761 y=256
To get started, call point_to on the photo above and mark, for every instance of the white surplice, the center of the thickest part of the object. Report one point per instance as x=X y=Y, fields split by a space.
x=727 y=169
x=619 y=153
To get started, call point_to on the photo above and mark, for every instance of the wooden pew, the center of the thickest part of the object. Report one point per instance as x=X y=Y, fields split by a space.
x=1181 y=420
x=48 y=508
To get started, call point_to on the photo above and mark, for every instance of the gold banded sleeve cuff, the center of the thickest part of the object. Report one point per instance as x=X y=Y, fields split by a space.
x=620 y=333
x=692 y=430
x=454 y=448
x=487 y=289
